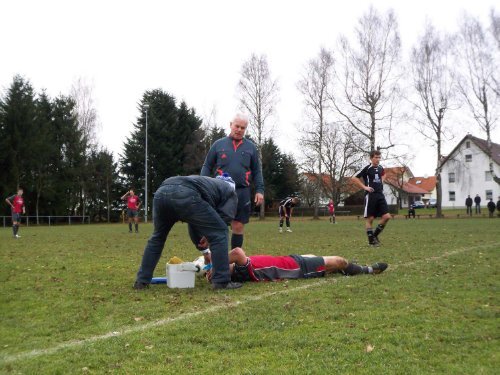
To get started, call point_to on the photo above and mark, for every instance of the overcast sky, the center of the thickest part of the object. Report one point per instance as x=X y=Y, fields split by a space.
x=194 y=49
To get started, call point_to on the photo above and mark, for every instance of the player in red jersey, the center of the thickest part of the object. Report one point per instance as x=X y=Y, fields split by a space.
x=16 y=202
x=133 y=204
x=331 y=211
x=271 y=268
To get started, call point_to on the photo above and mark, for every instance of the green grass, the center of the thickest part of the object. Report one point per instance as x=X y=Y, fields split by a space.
x=66 y=289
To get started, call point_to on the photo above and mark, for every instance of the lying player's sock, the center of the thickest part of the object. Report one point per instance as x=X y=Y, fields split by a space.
x=355 y=269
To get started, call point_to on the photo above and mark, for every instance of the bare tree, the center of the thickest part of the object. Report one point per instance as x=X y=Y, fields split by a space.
x=478 y=70
x=369 y=80
x=85 y=111
x=434 y=82
x=340 y=158
x=495 y=34
x=314 y=86
x=258 y=95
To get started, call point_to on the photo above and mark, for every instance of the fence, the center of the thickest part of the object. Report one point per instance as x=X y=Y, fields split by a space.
x=50 y=220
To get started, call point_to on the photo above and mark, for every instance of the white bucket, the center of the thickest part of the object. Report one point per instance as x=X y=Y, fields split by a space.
x=181 y=275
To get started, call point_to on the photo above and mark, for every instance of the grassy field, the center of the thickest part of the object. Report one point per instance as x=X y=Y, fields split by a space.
x=67 y=306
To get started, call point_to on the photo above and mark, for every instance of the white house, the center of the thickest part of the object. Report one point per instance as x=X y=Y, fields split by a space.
x=466 y=171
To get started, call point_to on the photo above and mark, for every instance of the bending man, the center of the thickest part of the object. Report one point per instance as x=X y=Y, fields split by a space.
x=208 y=205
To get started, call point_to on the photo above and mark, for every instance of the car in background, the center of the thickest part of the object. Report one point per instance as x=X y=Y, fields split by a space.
x=432 y=203
x=418 y=204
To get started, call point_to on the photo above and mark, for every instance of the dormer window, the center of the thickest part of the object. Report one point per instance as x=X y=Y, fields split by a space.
x=467 y=144
x=468 y=158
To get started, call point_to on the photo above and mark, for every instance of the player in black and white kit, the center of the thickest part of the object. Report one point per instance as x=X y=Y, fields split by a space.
x=370 y=180
x=285 y=211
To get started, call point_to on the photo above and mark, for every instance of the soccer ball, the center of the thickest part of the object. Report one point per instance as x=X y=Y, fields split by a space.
x=201 y=266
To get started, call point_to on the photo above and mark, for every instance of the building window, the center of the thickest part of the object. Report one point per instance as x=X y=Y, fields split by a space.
x=489 y=194
x=468 y=158
x=488 y=176
x=467 y=144
x=451 y=177
x=451 y=196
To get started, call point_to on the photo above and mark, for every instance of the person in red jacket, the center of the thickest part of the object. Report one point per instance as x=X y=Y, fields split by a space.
x=133 y=204
x=16 y=202
x=331 y=211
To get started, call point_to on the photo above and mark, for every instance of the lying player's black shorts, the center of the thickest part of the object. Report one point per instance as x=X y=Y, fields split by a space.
x=310 y=266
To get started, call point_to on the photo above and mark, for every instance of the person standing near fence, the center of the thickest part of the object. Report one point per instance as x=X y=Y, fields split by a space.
x=133 y=204
x=491 y=207
x=477 y=201
x=370 y=180
x=16 y=202
x=331 y=211
x=468 y=204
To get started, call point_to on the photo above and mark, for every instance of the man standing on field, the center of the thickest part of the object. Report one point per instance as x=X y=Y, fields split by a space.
x=16 y=202
x=370 y=180
x=239 y=158
x=133 y=204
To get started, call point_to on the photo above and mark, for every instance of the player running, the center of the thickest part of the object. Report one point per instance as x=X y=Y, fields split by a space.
x=16 y=202
x=133 y=204
x=285 y=211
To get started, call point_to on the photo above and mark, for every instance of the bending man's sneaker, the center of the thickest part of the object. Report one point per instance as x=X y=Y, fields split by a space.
x=139 y=286
x=379 y=267
x=229 y=285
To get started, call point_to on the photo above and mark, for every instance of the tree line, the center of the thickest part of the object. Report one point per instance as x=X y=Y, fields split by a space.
x=361 y=94
x=357 y=96
x=49 y=149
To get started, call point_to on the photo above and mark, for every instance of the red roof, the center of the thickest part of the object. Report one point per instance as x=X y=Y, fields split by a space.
x=426 y=183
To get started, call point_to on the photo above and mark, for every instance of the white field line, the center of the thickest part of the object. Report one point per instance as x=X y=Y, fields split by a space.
x=187 y=316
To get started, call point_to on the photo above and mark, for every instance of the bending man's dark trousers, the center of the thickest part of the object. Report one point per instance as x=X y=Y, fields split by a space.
x=174 y=203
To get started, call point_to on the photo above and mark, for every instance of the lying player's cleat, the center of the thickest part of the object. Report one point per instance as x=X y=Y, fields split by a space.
x=229 y=285
x=139 y=286
x=289 y=230
x=379 y=267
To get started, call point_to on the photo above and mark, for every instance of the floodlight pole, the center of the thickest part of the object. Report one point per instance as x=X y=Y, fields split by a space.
x=146 y=106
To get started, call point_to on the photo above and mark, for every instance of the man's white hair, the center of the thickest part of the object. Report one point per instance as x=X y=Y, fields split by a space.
x=240 y=116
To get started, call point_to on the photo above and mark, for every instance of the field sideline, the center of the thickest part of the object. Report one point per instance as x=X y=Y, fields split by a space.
x=67 y=305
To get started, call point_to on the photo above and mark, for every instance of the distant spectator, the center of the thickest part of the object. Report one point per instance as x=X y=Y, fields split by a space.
x=331 y=212
x=491 y=207
x=498 y=207
x=477 y=201
x=411 y=211
x=468 y=204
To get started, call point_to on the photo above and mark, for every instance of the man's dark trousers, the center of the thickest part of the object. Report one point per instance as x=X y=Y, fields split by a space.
x=174 y=203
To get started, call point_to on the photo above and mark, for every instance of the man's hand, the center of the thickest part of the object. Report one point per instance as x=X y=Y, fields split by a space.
x=24 y=211
x=203 y=244
x=208 y=258
x=369 y=189
x=259 y=199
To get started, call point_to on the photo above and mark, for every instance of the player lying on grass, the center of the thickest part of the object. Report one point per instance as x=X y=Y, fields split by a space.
x=271 y=268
